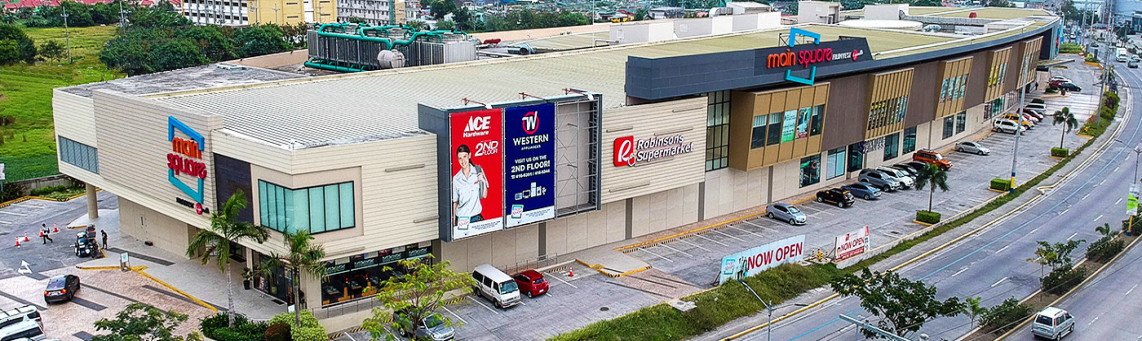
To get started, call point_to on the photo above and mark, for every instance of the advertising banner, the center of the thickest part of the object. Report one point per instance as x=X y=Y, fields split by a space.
x=529 y=148
x=753 y=261
x=1132 y=201
x=851 y=244
x=477 y=172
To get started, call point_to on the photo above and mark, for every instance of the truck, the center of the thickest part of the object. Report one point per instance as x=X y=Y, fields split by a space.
x=1122 y=55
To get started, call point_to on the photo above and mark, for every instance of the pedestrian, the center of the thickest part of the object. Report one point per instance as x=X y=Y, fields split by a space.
x=104 y=232
x=44 y=233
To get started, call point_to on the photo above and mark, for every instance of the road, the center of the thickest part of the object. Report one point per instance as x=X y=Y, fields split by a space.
x=992 y=263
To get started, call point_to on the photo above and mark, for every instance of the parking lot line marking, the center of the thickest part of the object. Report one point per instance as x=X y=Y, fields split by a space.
x=715 y=241
x=22 y=301
x=753 y=224
x=564 y=282
x=1072 y=235
x=826 y=212
x=1118 y=201
x=454 y=314
x=1000 y=281
x=350 y=336
x=1097 y=218
x=482 y=305
x=659 y=256
x=677 y=250
x=5 y=222
x=746 y=231
x=727 y=235
x=14 y=213
x=695 y=245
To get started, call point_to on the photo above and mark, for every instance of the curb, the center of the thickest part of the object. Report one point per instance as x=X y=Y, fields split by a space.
x=599 y=268
x=29 y=197
x=100 y=268
x=180 y=292
x=922 y=223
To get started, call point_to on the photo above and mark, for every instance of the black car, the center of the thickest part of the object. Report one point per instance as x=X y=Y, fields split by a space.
x=1070 y=87
x=915 y=165
x=836 y=196
x=907 y=169
x=61 y=288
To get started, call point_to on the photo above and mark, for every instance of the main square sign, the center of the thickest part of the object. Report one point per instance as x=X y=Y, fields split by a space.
x=797 y=59
x=185 y=160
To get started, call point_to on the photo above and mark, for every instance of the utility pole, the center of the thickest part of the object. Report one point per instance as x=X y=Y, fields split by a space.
x=122 y=17
x=255 y=8
x=1022 y=95
x=67 y=35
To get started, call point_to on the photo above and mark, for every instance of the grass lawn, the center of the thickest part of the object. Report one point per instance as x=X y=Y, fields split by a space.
x=27 y=142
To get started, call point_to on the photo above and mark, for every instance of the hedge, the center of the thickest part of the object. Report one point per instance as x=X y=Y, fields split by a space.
x=309 y=330
x=1001 y=184
x=1004 y=316
x=214 y=327
x=1061 y=280
x=1060 y=152
x=928 y=217
x=1104 y=249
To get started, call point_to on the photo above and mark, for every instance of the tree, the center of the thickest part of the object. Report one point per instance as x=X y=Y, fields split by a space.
x=933 y=177
x=973 y=309
x=440 y=8
x=1067 y=119
x=51 y=50
x=302 y=258
x=210 y=40
x=445 y=25
x=260 y=40
x=904 y=304
x=1057 y=255
x=225 y=230
x=641 y=14
x=15 y=46
x=176 y=54
x=1000 y=3
x=139 y=322
x=1106 y=232
x=416 y=295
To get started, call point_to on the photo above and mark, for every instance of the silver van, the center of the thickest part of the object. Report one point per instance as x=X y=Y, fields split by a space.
x=1053 y=323
x=29 y=330
x=496 y=286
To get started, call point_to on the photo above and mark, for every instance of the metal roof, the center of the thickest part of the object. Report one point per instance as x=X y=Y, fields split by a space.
x=191 y=78
x=383 y=104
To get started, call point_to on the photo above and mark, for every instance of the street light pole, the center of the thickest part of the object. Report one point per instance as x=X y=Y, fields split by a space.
x=1022 y=96
x=67 y=35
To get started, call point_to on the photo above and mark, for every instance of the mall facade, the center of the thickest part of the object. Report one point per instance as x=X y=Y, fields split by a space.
x=514 y=160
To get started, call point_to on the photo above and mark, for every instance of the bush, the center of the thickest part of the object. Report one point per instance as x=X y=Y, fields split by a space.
x=214 y=327
x=1000 y=184
x=210 y=324
x=1038 y=100
x=1061 y=280
x=12 y=192
x=278 y=332
x=927 y=217
x=1090 y=58
x=1060 y=152
x=309 y=330
x=1003 y=317
x=309 y=334
x=1104 y=249
x=1070 y=48
x=1052 y=89
x=1108 y=113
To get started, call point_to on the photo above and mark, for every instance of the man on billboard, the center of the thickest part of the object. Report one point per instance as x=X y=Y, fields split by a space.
x=469 y=186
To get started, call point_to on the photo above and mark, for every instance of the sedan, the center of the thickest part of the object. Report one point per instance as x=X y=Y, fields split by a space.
x=61 y=288
x=836 y=196
x=1035 y=114
x=787 y=213
x=972 y=147
x=1070 y=87
x=863 y=190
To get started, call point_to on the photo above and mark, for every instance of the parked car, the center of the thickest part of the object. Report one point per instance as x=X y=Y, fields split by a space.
x=1070 y=87
x=20 y=314
x=1031 y=118
x=27 y=330
x=907 y=169
x=1042 y=108
x=1009 y=126
x=496 y=286
x=840 y=197
x=1053 y=323
x=431 y=327
x=906 y=178
x=915 y=165
x=1035 y=114
x=1059 y=79
x=972 y=147
x=531 y=283
x=932 y=158
x=1019 y=118
x=862 y=190
x=787 y=213
x=880 y=180
x=61 y=288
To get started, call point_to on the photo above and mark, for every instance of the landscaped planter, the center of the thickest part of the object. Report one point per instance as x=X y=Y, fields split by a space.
x=1060 y=152
x=1000 y=184
x=928 y=217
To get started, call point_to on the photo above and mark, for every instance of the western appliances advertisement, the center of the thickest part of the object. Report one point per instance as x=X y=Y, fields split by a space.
x=477 y=168
x=753 y=261
x=851 y=244
x=529 y=144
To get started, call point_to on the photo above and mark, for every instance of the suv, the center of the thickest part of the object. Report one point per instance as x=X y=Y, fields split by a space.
x=1053 y=323
x=932 y=158
x=836 y=196
x=1008 y=126
x=878 y=179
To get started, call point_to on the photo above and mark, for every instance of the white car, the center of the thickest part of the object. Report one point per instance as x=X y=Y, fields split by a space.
x=972 y=147
x=1008 y=126
x=1060 y=78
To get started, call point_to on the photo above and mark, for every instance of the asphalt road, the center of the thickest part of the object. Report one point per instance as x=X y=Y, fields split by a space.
x=25 y=218
x=992 y=263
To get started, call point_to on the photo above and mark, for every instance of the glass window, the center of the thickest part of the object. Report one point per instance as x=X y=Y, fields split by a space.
x=774 y=128
x=758 y=138
x=717 y=129
x=891 y=146
x=314 y=209
x=810 y=170
x=909 y=144
x=77 y=154
x=856 y=157
x=961 y=122
x=789 y=127
x=836 y=163
x=887 y=112
x=803 y=117
x=949 y=126
x=963 y=86
x=944 y=90
x=815 y=126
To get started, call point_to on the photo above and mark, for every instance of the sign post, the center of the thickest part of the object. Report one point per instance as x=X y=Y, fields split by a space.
x=124 y=262
x=1131 y=208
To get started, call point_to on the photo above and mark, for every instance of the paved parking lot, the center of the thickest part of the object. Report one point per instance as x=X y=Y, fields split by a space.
x=25 y=218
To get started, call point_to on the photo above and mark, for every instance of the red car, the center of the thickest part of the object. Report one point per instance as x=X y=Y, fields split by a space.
x=531 y=282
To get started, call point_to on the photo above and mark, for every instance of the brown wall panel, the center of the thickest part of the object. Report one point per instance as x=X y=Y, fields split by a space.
x=977 y=80
x=845 y=117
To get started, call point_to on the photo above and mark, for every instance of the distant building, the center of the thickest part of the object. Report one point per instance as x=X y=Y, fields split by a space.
x=818 y=12
x=749 y=7
x=667 y=13
x=373 y=12
x=256 y=12
x=15 y=4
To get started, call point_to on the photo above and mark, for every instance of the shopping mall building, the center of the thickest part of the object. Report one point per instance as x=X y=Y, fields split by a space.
x=506 y=161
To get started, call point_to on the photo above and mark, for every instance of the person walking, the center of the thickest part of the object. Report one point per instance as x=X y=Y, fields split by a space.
x=44 y=231
x=104 y=232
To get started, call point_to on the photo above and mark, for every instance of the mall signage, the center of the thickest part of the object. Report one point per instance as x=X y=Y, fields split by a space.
x=477 y=168
x=630 y=151
x=753 y=261
x=799 y=62
x=185 y=161
x=851 y=244
x=529 y=145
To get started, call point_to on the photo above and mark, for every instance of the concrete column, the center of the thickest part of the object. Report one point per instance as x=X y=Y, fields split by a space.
x=92 y=202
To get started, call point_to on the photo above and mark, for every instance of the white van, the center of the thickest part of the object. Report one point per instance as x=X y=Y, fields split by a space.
x=496 y=286
x=1053 y=323
x=30 y=330
x=21 y=314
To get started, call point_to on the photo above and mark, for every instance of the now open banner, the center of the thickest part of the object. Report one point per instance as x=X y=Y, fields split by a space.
x=851 y=244
x=753 y=261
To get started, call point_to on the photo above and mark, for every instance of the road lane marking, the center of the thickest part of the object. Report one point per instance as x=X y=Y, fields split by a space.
x=695 y=245
x=14 y=213
x=677 y=250
x=958 y=272
x=1118 y=201
x=482 y=305
x=659 y=256
x=1092 y=320
x=1131 y=290
x=1064 y=211
x=1074 y=234
x=565 y=282
x=1097 y=218
x=1084 y=197
x=999 y=281
x=1001 y=249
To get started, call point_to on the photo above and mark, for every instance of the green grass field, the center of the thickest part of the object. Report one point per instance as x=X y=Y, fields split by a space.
x=27 y=145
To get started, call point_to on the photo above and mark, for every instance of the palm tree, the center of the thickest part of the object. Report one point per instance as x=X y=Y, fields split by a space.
x=973 y=309
x=301 y=258
x=224 y=230
x=1067 y=119
x=933 y=177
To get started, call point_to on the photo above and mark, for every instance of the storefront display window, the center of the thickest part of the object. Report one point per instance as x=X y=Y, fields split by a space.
x=856 y=157
x=360 y=276
x=891 y=146
x=810 y=170
x=758 y=139
x=961 y=122
x=909 y=144
x=314 y=209
x=949 y=126
x=836 y=163
x=717 y=130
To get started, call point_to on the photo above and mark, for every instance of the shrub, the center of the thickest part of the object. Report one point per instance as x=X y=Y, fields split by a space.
x=1061 y=280
x=309 y=334
x=309 y=329
x=1004 y=316
x=214 y=327
x=12 y=192
x=1000 y=184
x=1070 y=48
x=1108 y=113
x=1110 y=100
x=212 y=323
x=1060 y=152
x=927 y=217
x=1052 y=89
x=1104 y=249
x=1090 y=58
x=278 y=332
x=1038 y=100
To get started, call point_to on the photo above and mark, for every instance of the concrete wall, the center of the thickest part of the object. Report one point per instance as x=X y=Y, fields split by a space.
x=683 y=117
x=730 y=190
x=885 y=12
x=693 y=27
x=816 y=11
x=145 y=224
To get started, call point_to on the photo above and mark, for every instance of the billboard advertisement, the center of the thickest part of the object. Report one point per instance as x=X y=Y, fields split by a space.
x=753 y=261
x=1132 y=201
x=851 y=244
x=529 y=149
x=477 y=172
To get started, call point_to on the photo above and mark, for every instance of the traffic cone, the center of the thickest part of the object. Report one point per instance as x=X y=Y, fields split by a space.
x=55 y=228
x=571 y=273
x=17 y=242
x=25 y=236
